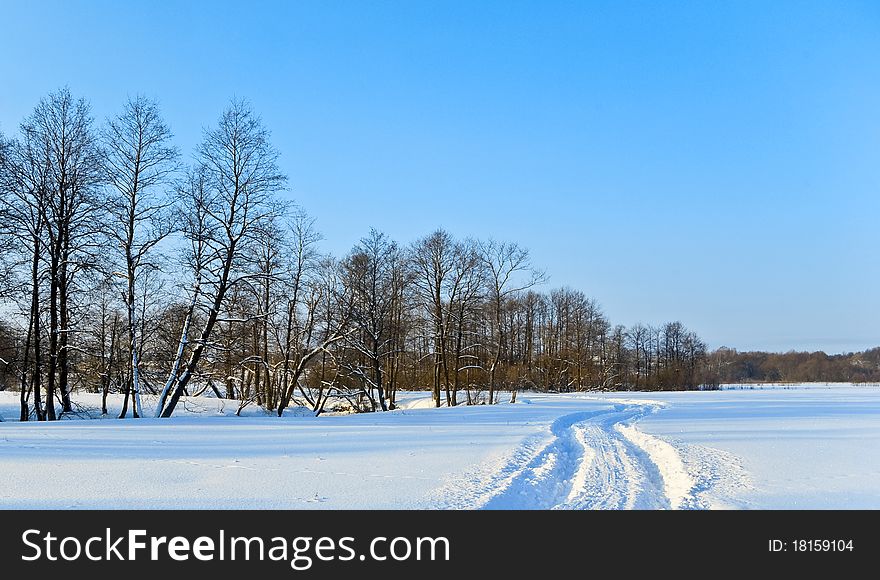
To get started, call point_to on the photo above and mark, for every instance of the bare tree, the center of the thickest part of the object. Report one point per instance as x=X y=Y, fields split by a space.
x=508 y=271
x=271 y=253
x=60 y=137
x=639 y=342
x=433 y=260
x=318 y=332
x=373 y=275
x=299 y=306
x=241 y=177
x=467 y=281
x=107 y=325
x=329 y=308
x=24 y=175
x=196 y=230
x=139 y=162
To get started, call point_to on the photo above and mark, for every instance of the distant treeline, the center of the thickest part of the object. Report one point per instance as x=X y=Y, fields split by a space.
x=729 y=366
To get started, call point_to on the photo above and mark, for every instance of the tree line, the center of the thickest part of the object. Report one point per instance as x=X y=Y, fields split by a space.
x=126 y=271
x=729 y=366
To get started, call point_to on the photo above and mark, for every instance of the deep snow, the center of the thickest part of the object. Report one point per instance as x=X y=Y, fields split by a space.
x=794 y=447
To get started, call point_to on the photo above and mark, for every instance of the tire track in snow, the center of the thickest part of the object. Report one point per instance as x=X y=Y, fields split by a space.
x=621 y=476
x=548 y=479
x=677 y=482
x=589 y=465
x=590 y=460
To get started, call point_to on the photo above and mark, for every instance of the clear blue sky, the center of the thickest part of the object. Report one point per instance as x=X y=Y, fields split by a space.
x=713 y=162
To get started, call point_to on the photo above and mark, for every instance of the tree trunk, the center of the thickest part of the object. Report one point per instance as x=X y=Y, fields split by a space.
x=53 y=338
x=436 y=393
x=288 y=346
x=36 y=377
x=497 y=357
x=492 y=384
x=446 y=383
x=377 y=373
x=64 y=337
x=125 y=398
x=134 y=366
x=459 y=338
x=265 y=327
x=25 y=411
x=229 y=379
x=438 y=358
x=181 y=346
x=108 y=367
x=256 y=346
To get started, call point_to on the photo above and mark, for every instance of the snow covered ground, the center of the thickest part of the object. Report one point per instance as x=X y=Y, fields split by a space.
x=799 y=447
x=807 y=446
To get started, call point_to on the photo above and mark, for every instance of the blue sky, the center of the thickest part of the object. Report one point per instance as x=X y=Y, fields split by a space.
x=712 y=162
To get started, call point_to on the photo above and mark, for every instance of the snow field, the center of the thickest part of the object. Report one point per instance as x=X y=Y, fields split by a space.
x=792 y=447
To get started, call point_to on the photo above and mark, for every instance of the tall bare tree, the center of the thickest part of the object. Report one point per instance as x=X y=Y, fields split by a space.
x=433 y=260
x=508 y=271
x=468 y=282
x=373 y=272
x=241 y=178
x=327 y=320
x=272 y=252
x=24 y=175
x=318 y=332
x=139 y=162
x=60 y=129
x=299 y=305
